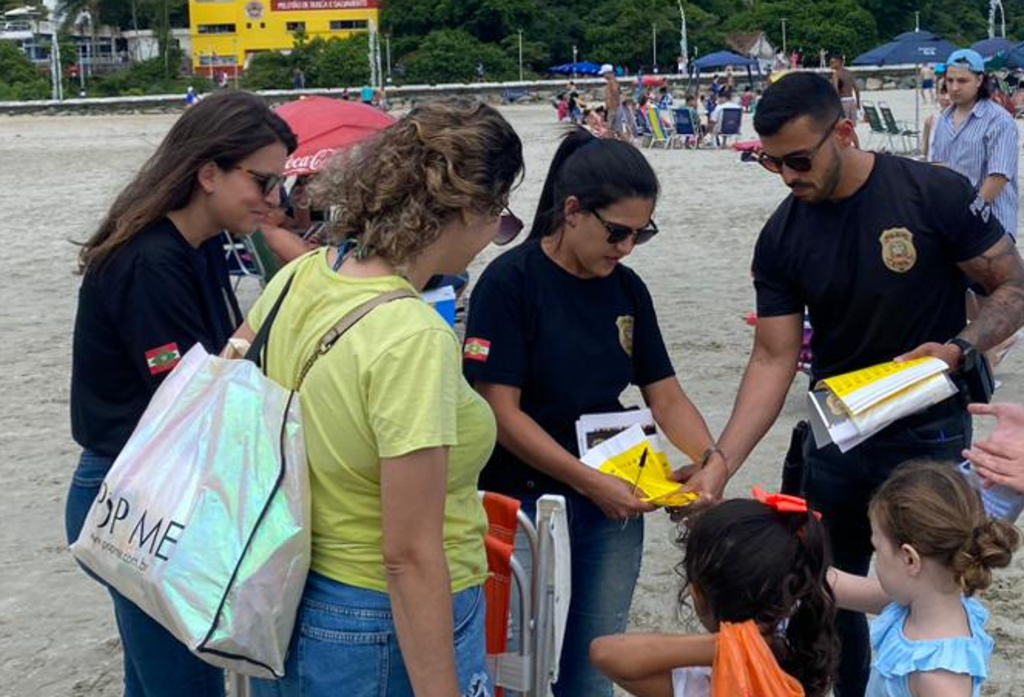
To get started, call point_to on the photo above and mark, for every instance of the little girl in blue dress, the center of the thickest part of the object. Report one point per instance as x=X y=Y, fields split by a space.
x=934 y=548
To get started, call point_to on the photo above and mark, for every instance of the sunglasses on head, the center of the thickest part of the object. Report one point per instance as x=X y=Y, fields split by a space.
x=508 y=227
x=617 y=233
x=798 y=163
x=268 y=183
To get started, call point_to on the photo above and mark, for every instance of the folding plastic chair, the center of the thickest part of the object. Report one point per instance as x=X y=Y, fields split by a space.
x=655 y=127
x=728 y=125
x=243 y=260
x=908 y=136
x=686 y=133
x=543 y=594
x=878 y=129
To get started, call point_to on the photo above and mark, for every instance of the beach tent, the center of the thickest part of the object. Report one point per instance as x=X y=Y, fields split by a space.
x=722 y=59
x=909 y=48
x=719 y=60
x=581 y=68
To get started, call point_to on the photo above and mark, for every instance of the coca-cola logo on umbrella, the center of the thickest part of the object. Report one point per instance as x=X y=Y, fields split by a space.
x=324 y=126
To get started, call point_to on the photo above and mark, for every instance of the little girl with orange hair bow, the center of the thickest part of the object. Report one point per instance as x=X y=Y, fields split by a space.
x=755 y=572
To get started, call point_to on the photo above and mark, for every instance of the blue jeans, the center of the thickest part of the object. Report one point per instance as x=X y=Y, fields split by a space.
x=840 y=486
x=156 y=664
x=345 y=643
x=605 y=568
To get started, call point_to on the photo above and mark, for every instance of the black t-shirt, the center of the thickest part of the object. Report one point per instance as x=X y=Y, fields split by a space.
x=138 y=313
x=877 y=271
x=571 y=345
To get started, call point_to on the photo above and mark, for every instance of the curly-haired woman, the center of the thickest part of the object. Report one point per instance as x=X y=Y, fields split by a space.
x=395 y=436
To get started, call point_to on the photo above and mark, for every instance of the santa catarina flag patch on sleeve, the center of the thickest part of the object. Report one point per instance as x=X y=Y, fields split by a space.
x=162 y=358
x=477 y=350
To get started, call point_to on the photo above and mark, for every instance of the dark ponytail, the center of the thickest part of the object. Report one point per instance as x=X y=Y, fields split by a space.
x=752 y=562
x=599 y=172
x=811 y=647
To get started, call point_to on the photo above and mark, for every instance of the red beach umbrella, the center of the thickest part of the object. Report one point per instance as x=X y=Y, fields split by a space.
x=324 y=126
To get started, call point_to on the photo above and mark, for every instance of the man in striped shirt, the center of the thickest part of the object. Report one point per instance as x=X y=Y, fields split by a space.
x=978 y=138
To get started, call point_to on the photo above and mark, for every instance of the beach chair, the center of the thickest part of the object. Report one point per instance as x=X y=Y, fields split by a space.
x=686 y=129
x=728 y=126
x=543 y=593
x=878 y=130
x=654 y=126
x=909 y=141
x=242 y=261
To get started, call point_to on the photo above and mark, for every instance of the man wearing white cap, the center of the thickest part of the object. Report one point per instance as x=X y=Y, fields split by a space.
x=613 y=100
x=978 y=138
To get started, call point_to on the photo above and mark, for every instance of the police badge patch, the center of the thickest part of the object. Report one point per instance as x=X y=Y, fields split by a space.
x=898 y=251
x=625 y=325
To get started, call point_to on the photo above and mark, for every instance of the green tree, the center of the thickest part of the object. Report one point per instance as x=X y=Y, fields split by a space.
x=452 y=55
x=343 y=62
x=19 y=79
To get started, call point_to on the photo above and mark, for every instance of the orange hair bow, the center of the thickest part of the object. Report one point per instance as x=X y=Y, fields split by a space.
x=783 y=503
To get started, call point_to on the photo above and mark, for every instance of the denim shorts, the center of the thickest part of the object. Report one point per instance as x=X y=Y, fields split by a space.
x=345 y=643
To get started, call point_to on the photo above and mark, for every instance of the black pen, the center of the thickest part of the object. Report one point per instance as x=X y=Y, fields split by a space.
x=640 y=470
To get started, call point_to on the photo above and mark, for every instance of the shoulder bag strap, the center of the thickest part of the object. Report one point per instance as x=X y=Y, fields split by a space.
x=346 y=323
x=256 y=349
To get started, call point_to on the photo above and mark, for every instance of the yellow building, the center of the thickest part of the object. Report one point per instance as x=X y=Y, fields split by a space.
x=225 y=33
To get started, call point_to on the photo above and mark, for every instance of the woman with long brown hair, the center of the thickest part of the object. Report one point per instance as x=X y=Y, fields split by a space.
x=148 y=294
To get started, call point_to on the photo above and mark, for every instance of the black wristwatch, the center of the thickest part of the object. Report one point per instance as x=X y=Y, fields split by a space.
x=968 y=354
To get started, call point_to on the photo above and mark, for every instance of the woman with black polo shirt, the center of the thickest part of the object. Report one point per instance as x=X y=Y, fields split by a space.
x=557 y=328
x=151 y=289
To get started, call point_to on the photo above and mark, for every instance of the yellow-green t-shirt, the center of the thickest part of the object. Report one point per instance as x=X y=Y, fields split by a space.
x=391 y=385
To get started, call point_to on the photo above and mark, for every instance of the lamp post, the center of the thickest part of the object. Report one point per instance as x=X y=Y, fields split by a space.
x=387 y=49
x=520 y=55
x=784 y=36
x=654 y=48
x=683 y=48
x=574 y=61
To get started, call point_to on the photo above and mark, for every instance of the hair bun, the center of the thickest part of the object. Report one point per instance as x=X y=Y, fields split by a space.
x=991 y=546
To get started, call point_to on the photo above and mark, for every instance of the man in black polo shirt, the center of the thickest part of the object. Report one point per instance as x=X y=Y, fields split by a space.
x=880 y=250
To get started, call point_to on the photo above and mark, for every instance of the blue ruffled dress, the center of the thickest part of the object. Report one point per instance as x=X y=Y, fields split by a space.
x=895 y=656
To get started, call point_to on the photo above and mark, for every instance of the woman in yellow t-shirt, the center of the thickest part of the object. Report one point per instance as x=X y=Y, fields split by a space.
x=395 y=436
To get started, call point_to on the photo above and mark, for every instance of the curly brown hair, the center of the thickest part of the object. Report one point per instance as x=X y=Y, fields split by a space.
x=396 y=192
x=931 y=507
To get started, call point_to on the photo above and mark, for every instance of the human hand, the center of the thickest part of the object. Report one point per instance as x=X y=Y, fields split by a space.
x=999 y=459
x=950 y=353
x=999 y=462
x=709 y=481
x=615 y=497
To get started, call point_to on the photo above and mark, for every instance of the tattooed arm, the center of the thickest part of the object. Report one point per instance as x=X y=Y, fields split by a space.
x=1000 y=270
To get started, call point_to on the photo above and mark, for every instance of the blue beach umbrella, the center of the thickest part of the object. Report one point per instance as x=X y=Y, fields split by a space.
x=909 y=48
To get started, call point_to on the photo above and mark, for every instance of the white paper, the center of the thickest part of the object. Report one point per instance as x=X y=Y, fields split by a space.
x=847 y=431
x=592 y=429
x=606 y=450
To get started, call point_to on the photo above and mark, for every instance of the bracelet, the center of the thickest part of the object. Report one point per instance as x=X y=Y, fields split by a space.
x=708 y=453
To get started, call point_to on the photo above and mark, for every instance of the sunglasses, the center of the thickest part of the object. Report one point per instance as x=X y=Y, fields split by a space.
x=268 y=183
x=508 y=227
x=617 y=233
x=797 y=163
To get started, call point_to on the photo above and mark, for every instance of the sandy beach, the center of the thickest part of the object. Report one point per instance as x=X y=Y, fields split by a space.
x=59 y=174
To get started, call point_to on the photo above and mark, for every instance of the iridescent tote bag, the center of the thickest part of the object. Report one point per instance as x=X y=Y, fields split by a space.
x=204 y=519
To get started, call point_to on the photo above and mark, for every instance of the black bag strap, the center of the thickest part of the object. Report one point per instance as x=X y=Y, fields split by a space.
x=256 y=352
x=346 y=323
